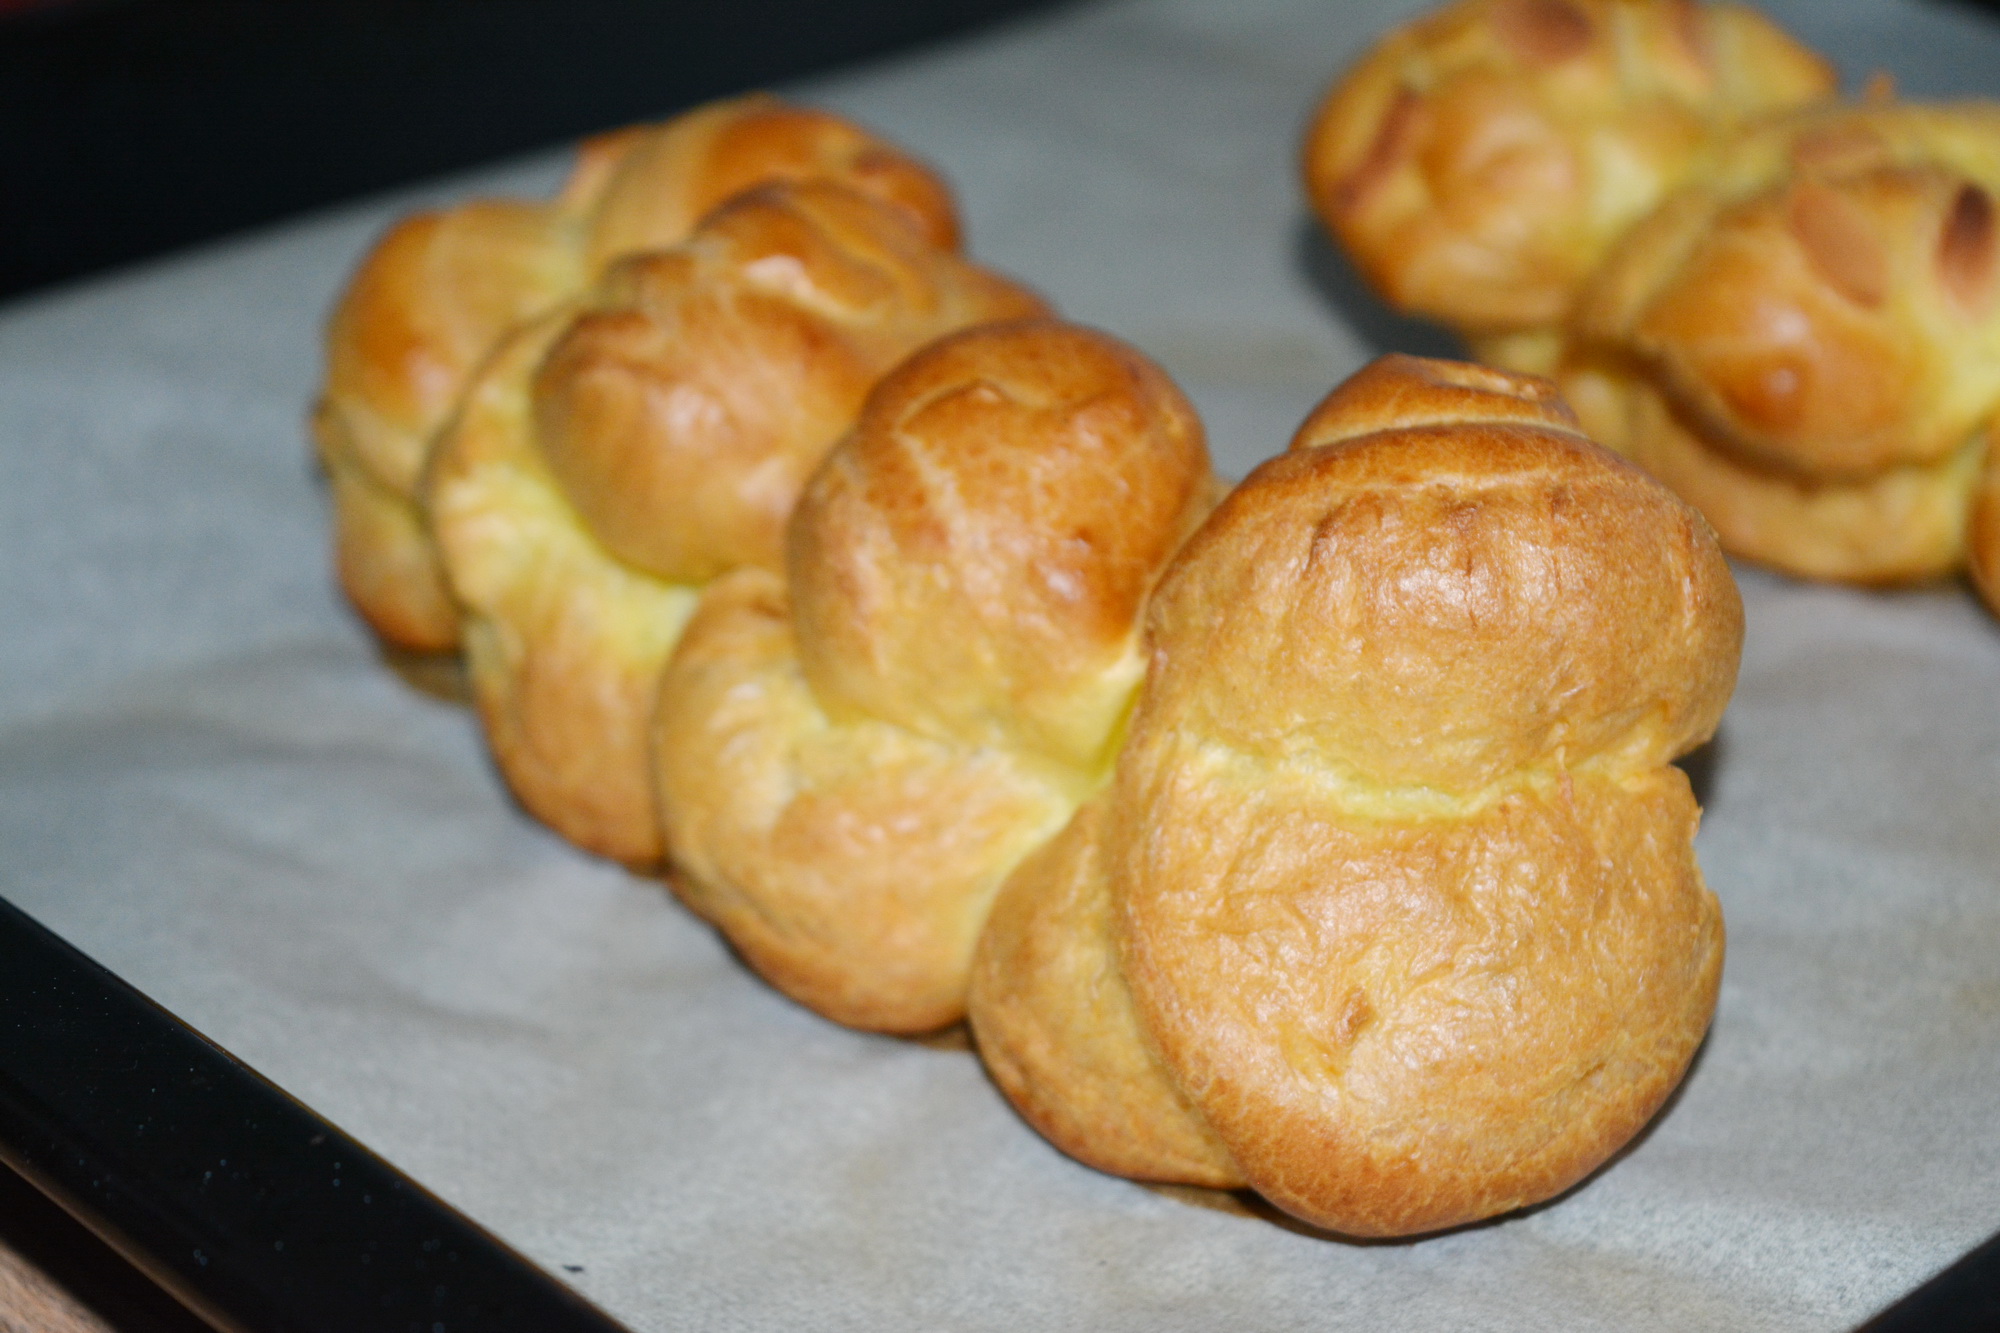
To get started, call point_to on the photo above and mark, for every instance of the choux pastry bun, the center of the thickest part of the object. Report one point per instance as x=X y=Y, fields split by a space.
x=614 y=457
x=1477 y=162
x=854 y=755
x=1390 y=909
x=432 y=300
x=1805 y=343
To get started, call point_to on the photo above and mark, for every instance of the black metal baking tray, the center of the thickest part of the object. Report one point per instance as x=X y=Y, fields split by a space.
x=241 y=1201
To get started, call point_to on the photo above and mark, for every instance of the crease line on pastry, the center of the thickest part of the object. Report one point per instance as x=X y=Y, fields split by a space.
x=1364 y=799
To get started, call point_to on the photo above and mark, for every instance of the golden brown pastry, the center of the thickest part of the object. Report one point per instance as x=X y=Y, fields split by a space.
x=433 y=298
x=1983 y=539
x=1390 y=910
x=852 y=757
x=1806 y=342
x=612 y=459
x=1477 y=163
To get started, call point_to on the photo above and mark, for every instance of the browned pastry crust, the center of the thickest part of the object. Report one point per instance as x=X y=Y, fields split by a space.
x=1390 y=910
x=851 y=759
x=612 y=459
x=1806 y=342
x=1058 y=1030
x=433 y=298
x=563 y=643
x=1983 y=538
x=1477 y=163
x=422 y=311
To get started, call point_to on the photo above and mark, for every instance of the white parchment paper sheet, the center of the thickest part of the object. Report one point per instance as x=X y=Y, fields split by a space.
x=210 y=782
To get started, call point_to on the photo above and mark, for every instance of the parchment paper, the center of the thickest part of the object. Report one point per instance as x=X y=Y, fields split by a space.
x=210 y=782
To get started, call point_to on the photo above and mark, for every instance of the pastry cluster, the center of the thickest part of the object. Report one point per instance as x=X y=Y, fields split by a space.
x=1478 y=163
x=1317 y=837
x=855 y=753
x=615 y=456
x=1784 y=307
x=1806 y=344
x=548 y=425
x=1389 y=909
x=437 y=293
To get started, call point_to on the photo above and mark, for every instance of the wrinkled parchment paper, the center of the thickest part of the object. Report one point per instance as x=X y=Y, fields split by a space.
x=211 y=782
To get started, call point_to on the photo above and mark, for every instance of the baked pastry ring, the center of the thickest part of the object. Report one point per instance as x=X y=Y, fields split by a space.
x=612 y=459
x=433 y=298
x=1806 y=342
x=1477 y=162
x=1390 y=910
x=853 y=757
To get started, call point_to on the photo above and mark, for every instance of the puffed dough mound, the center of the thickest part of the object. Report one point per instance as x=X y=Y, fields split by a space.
x=620 y=453
x=852 y=758
x=432 y=300
x=1806 y=343
x=1390 y=910
x=1478 y=161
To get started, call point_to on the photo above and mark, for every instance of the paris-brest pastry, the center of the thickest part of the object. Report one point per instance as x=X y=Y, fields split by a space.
x=1805 y=343
x=1477 y=163
x=614 y=457
x=1390 y=909
x=431 y=301
x=854 y=755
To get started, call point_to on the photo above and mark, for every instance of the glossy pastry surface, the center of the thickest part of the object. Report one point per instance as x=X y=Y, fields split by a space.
x=622 y=453
x=432 y=300
x=853 y=756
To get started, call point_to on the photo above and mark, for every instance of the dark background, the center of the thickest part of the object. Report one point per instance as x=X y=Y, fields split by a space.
x=130 y=127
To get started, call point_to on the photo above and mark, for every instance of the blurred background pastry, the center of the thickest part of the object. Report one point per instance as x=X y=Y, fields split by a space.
x=1805 y=342
x=1477 y=163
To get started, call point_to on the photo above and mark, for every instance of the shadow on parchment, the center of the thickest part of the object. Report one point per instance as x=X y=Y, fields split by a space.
x=439 y=675
x=1336 y=282
x=1702 y=764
